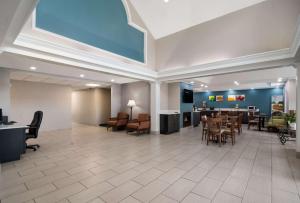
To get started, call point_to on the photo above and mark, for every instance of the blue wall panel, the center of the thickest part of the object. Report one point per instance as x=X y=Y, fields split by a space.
x=99 y=23
x=256 y=97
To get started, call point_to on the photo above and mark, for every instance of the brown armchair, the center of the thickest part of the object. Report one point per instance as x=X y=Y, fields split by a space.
x=142 y=124
x=120 y=121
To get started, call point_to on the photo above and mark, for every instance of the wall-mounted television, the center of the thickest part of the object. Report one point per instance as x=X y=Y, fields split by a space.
x=188 y=96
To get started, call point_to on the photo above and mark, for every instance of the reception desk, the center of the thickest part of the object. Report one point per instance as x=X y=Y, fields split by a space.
x=12 y=142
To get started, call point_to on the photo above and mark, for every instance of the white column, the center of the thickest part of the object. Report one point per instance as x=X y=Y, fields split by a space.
x=116 y=99
x=298 y=112
x=5 y=92
x=155 y=106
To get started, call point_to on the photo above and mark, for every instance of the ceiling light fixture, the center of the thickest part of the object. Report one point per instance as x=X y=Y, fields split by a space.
x=202 y=85
x=236 y=83
x=206 y=86
x=32 y=68
x=279 y=80
x=192 y=82
x=92 y=85
x=166 y=1
x=112 y=80
x=82 y=75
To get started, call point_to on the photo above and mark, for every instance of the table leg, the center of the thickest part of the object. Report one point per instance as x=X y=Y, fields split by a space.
x=220 y=140
x=259 y=123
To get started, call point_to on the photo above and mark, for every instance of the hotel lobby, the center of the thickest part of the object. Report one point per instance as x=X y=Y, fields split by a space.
x=156 y=101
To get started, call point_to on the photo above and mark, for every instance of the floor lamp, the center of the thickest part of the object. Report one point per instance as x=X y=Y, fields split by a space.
x=131 y=103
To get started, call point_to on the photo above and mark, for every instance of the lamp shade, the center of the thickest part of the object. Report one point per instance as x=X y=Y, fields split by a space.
x=131 y=103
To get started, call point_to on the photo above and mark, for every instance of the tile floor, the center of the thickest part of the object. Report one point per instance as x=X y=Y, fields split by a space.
x=88 y=164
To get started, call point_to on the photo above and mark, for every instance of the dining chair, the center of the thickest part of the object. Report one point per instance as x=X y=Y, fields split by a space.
x=204 y=127
x=214 y=130
x=229 y=131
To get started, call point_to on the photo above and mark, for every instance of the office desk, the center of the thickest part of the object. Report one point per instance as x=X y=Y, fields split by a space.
x=12 y=142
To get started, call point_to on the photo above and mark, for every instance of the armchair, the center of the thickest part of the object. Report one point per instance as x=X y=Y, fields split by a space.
x=142 y=124
x=119 y=122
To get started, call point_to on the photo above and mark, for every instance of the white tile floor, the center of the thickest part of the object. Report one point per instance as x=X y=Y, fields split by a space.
x=88 y=164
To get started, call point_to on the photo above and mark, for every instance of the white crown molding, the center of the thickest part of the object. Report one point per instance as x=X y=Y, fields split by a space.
x=46 y=47
x=32 y=46
x=117 y=70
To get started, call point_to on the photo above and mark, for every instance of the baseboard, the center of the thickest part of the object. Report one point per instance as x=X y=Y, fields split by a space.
x=155 y=132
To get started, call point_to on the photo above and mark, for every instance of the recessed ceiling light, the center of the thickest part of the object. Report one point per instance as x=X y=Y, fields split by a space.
x=82 y=75
x=166 y=1
x=112 y=80
x=192 y=82
x=252 y=88
x=279 y=80
x=236 y=83
x=202 y=85
x=32 y=68
x=92 y=85
x=206 y=86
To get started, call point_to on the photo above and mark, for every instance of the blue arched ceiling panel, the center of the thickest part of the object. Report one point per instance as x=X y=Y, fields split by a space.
x=99 y=23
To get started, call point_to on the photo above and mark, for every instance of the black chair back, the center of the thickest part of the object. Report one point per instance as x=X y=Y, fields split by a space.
x=36 y=123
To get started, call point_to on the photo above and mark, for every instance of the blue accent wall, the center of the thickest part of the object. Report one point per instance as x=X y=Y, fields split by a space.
x=256 y=97
x=185 y=107
x=99 y=23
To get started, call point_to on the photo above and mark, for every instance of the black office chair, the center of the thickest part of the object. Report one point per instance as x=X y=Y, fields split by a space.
x=33 y=130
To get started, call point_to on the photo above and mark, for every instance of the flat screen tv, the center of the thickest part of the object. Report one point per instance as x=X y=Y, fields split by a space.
x=188 y=96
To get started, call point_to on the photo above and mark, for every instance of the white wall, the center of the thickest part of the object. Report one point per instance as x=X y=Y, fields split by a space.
x=5 y=92
x=116 y=99
x=290 y=95
x=91 y=106
x=53 y=100
x=264 y=27
x=138 y=91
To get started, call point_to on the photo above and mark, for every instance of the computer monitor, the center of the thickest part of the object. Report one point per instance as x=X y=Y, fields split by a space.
x=1 y=116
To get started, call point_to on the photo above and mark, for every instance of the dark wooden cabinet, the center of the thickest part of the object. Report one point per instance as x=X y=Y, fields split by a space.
x=196 y=118
x=169 y=123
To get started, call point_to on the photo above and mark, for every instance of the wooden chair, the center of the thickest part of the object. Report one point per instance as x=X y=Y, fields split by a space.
x=229 y=131
x=252 y=121
x=214 y=130
x=239 y=123
x=204 y=127
x=142 y=124
x=224 y=120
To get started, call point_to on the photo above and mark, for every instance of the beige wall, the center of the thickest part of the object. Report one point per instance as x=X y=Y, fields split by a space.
x=164 y=97
x=138 y=91
x=53 y=100
x=5 y=92
x=174 y=96
x=91 y=106
x=260 y=28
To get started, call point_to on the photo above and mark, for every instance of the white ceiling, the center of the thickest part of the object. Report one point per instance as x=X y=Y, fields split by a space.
x=163 y=19
x=246 y=80
x=76 y=84
x=56 y=73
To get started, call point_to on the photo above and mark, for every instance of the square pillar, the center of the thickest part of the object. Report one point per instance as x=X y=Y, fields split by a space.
x=155 y=106
x=298 y=112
